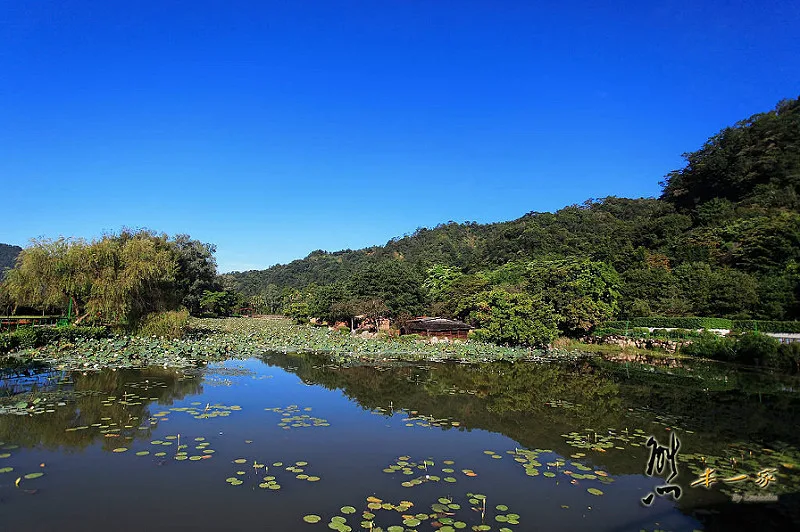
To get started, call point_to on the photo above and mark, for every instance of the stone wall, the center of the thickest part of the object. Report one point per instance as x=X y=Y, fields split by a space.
x=670 y=346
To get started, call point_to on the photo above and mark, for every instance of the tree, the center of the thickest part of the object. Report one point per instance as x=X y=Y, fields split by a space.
x=439 y=279
x=514 y=318
x=221 y=303
x=117 y=279
x=196 y=271
x=583 y=292
x=396 y=283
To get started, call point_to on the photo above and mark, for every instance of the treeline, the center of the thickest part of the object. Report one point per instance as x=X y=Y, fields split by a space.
x=119 y=279
x=722 y=240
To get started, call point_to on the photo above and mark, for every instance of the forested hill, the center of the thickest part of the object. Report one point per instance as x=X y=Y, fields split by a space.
x=722 y=240
x=8 y=256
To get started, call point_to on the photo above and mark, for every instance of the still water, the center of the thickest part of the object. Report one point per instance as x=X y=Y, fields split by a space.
x=266 y=443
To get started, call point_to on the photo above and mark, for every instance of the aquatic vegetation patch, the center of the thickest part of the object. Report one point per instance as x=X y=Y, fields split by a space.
x=593 y=440
x=537 y=462
x=41 y=402
x=266 y=476
x=291 y=418
x=197 y=411
x=222 y=339
x=426 y=471
x=446 y=514
x=415 y=419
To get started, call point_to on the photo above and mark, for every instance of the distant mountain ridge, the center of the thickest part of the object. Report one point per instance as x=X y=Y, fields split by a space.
x=8 y=256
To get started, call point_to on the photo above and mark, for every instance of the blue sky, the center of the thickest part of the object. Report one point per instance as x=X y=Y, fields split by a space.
x=275 y=128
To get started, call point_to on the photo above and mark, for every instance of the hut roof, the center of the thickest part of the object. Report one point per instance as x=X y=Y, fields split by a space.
x=436 y=324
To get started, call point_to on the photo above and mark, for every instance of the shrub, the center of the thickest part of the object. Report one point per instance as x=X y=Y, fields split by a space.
x=787 y=358
x=8 y=341
x=344 y=329
x=71 y=332
x=27 y=337
x=709 y=345
x=752 y=348
x=171 y=324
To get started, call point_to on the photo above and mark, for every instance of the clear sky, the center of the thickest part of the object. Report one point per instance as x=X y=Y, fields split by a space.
x=274 y=128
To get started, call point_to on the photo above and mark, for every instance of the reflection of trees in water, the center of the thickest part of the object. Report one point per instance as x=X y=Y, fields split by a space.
x=717 y=401
x=85 y=407
x=502 y=397
x=512 y=399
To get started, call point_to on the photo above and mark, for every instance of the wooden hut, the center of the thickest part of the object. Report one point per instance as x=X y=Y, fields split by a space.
x=440 y=327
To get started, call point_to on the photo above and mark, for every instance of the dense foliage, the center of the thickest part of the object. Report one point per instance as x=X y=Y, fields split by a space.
x=118 y=279
x=747 y=348
x=723 y=240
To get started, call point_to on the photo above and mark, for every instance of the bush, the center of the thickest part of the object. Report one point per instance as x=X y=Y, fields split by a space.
x=8 y=341
x=660 y=322
x=344 y=329
x=171 y=324
x=28 y=337
x=31 y=336
x=709 y=345
x=787 y=357
x=754 y=348
x=747 y=348
x=767 y=326
x=70 y=333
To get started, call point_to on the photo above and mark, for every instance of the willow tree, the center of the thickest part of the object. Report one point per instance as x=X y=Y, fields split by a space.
x=132 y=274
x=48 y=273
x=116 y=279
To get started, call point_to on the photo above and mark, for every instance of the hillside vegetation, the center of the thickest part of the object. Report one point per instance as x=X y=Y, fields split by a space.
x=8 y=256
x=722 y=240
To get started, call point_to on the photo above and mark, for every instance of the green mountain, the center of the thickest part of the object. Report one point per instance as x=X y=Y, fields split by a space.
x=722 y=240
x=8 y=256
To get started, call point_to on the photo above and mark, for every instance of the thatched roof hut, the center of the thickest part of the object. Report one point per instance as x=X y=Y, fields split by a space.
x=441 y=327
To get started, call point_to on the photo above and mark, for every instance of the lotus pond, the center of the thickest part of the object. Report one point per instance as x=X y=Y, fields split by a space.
x=285 y=441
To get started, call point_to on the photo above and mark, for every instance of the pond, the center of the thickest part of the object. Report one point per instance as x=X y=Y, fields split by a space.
x=293 y=442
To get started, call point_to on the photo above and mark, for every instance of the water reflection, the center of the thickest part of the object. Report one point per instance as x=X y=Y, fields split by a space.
x=75 y=410
x=589 y=416
x=720 y=413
